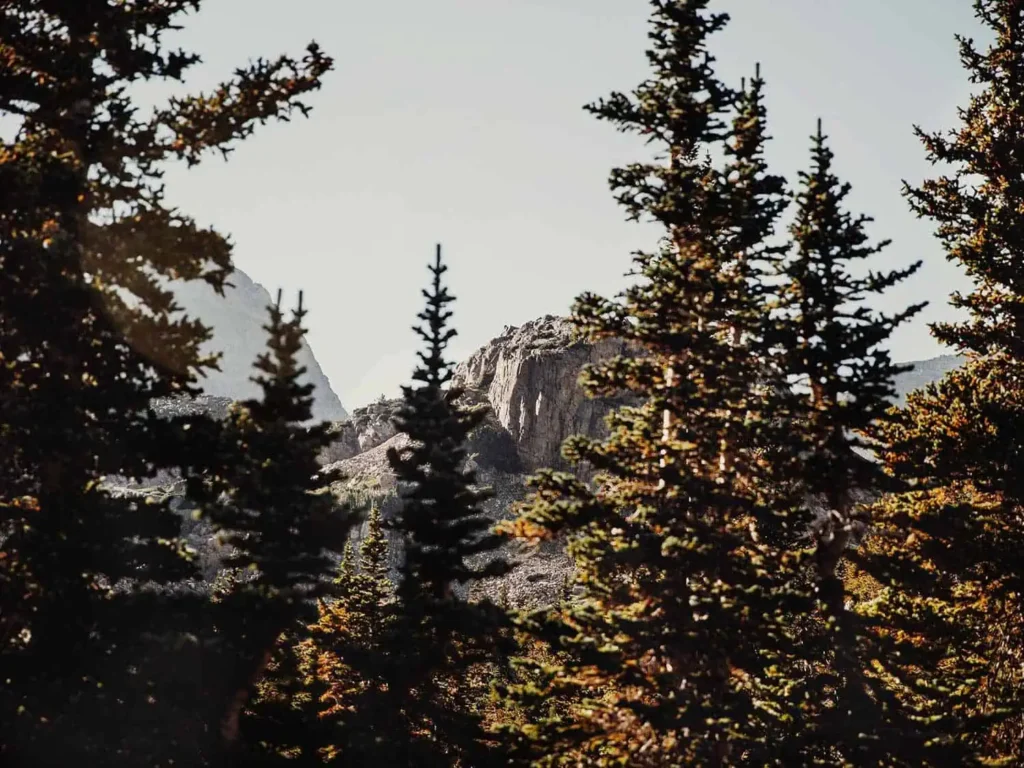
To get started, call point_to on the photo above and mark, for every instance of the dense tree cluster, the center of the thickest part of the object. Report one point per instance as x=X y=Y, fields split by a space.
x=772 y=566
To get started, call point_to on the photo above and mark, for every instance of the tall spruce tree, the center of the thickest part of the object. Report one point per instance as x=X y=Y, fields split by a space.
x=447 y=542
x=89 y=336
x=758 y=197
x=324 y=699
x=946 y=552
x=828 y=343
x=682 y=639
x=269 y=499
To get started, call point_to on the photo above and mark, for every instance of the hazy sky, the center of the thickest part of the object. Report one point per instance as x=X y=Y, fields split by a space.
x=460 y=122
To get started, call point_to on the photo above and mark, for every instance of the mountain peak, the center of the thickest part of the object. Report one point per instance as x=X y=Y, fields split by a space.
x=237 y=321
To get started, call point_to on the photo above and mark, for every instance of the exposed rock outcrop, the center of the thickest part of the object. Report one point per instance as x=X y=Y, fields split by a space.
x=367 y=428
x=528 y=377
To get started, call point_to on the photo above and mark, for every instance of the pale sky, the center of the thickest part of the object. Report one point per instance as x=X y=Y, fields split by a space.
x=461 y=122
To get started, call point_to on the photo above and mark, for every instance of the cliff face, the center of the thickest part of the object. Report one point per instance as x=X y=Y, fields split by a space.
x=528 y=377
x=237 y=320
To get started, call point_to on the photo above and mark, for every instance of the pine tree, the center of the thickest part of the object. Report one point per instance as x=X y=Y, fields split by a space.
x=269 y=501
x=946 y=553
x=758 y=197
x=978 y=224
x=941 y=564
x=827 y=342
x=350 y=653
x=89 y=336
x=443 y=528
x=324 y=700
x=682 y=639
x=830 y=341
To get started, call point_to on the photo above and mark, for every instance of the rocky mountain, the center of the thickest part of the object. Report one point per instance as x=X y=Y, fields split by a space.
x=527 y=375
x=237 y=320
x=924 y=373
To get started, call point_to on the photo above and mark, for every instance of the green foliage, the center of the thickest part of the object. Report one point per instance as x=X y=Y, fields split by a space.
x=682 y=644
x=946 y=551
x=441 y=525
x=325 y=698
x=90 y=335
x=711 y=619
x=265 y=496
x=441 y=521
x=828 y=343
x=977 y=206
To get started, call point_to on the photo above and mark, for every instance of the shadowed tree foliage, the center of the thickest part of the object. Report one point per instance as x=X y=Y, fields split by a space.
x=269 y=500
x=682 y=641
x=976 y=206
x=324 y=699
x=942 y=562
x=946 y=554
x=89 y=335
x=447 y=543
x=828 y=341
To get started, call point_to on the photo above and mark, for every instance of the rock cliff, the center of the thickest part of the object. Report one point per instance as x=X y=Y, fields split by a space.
x=528 y=376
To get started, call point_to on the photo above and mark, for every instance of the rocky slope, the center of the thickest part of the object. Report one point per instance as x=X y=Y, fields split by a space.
x=924 y=373
x=237 y=320
x=527 y=375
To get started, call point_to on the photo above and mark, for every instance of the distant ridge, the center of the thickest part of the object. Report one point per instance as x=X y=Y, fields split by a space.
x=925 y=372
x=237 y=320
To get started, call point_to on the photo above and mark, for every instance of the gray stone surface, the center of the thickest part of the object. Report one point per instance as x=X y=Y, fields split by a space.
x=528 y=377
x=237 y=320
x=365 y=429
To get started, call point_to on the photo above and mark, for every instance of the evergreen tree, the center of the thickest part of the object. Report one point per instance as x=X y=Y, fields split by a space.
x=758 y=197
x=89 y=336
x=442 y=528
x=268 y=499
x=682 y=640
x=324 y=699
x=828 y=343
x=979 y=224
x=945 y=556
x=941 y=565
